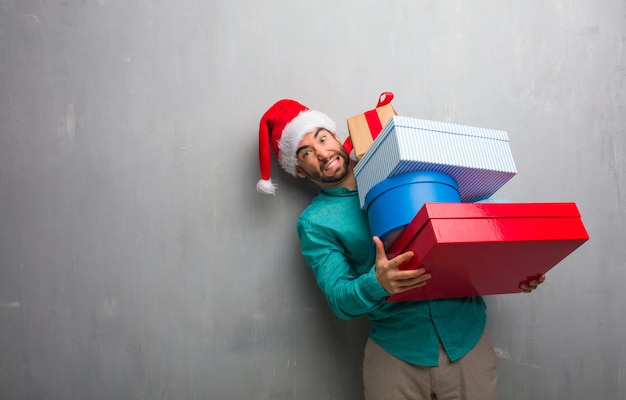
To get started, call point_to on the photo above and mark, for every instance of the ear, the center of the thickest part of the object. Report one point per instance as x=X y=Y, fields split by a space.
x=299 y=172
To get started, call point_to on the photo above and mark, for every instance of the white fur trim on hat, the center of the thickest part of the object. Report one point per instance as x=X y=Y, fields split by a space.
x=295 y=130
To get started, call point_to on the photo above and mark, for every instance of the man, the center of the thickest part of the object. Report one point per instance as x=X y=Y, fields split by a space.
x=416 y=350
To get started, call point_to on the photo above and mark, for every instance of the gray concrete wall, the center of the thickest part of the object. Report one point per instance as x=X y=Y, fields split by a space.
x=137 y=260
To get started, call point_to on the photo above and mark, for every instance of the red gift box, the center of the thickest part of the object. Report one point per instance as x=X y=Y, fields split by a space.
x=486 y=248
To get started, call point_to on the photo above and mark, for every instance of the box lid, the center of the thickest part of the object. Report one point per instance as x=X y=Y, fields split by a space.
x=398 y=122
x=410 y=178
x=479 y=210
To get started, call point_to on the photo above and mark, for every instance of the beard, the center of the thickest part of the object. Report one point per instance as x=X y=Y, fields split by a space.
x=338 y=176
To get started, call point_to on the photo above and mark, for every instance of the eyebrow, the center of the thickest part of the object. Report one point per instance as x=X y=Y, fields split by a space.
x=317 y=132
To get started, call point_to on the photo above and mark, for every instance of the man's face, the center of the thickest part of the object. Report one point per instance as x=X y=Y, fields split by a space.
x=322 y=159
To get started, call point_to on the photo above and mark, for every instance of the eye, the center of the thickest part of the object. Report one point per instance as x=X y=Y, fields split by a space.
x=305 y=153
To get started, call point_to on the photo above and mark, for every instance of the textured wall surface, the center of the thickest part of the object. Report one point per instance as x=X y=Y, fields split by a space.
x=137 y=260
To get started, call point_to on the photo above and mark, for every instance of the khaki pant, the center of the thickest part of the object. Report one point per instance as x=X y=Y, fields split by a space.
x=471 y=377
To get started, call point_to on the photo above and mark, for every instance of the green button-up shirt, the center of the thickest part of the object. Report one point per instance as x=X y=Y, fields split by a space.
x=336 y=243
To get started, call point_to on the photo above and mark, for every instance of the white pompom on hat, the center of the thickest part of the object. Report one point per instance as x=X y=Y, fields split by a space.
x=282 y=127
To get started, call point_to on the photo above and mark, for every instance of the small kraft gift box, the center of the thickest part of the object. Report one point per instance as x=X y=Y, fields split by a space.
x=486 y=248
x=479 y=159
x=364 y=128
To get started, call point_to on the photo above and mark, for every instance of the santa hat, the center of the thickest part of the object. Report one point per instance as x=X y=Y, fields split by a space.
x=282 y=127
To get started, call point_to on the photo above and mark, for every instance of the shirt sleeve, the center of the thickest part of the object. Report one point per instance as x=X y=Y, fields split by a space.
x=349 y=295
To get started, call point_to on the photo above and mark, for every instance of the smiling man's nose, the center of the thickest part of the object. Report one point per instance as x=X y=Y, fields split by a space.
x=322 y=153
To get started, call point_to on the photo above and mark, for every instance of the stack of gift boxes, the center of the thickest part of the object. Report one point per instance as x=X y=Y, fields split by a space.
x=426 y=186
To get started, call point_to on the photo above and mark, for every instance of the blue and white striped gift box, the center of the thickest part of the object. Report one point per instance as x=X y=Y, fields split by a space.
x=479 y=159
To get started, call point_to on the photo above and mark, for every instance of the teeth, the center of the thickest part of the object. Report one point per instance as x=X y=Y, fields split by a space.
x=331 y=164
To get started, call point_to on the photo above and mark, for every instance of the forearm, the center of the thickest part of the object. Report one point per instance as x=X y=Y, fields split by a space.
x=350 y=297
x=343 y=266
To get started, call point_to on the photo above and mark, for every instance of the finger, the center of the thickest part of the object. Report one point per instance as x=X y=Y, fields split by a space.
x=380 y=249
x=539 y=278
x=415 y=276
x=420 y=280
x=404 y=288
x=408 y=274
x=536 y=282
x=413 y=283
x=402 y=258
x=381 y=255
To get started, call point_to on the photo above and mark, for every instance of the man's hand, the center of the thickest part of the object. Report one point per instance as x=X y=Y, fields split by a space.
x=390 y=277
x=531 y=284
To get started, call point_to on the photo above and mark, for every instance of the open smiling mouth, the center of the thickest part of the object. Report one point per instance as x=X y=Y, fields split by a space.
x=332 y=164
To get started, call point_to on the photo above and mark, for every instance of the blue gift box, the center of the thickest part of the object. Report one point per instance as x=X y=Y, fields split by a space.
x=479 y=159
x=393 y=203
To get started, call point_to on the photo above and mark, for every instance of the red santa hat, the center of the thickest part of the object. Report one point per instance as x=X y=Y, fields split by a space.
x=282 y=127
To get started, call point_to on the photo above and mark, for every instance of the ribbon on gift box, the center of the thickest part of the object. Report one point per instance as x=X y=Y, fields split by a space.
x=371 y=116
x=365 y=127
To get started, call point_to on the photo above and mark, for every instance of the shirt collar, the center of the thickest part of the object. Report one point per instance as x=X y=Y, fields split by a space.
x=338 y=192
